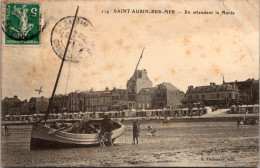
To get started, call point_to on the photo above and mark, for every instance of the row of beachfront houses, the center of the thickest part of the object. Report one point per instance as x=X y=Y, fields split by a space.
x=140 y=95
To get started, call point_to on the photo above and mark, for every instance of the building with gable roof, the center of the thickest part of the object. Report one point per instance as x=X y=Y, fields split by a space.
x=221 y=95
x=144 y=98
x=73 y=101
x=38 y=104
x=166 y=95
x=98 y=100
x=137 y=82
x=60 y=103
x=14 y=106
x=118 y=98
x=248 y=90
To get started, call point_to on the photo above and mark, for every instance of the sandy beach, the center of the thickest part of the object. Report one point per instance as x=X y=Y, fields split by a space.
x=175 y=144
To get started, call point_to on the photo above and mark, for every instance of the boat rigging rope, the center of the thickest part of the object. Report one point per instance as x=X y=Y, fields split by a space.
x=72 y=48
x=68 y=77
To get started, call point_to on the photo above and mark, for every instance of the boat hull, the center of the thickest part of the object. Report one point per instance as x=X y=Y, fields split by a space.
x=41 y=139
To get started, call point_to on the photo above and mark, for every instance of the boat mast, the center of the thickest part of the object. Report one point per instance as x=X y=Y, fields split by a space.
x=126 y=95
x=63 y=59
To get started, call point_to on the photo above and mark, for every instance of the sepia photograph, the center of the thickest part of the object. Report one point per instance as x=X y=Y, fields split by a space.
x=119 y=83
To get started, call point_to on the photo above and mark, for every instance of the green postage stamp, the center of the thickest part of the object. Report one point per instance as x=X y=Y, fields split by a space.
x=22 y=24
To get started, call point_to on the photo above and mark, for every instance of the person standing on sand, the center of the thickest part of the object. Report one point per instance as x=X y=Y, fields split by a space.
x=101 y=137
x=136 y=131
x=108 y=126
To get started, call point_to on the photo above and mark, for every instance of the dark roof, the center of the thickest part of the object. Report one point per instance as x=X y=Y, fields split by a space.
x=168 y=86
x=242 y=84
x=146 y=90
x=12 y=99
x=212 y=88
x=42 y=99
x=121 y=91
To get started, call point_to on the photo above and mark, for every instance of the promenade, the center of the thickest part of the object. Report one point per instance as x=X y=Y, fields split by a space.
x=216 y=116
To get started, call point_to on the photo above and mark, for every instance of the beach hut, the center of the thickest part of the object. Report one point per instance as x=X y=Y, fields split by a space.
x=160 y=112
x=21 y=118
x=174 y=113
x=7 y=118
x=100 y=114
x=256 y=108
x=120 y=114
x=249 y=109
x=233 y=109
x=132 y=113
x=185 y=111
x=64 y=115
x=75 y=115
x=59 y=116
x=51 y=116
x=242 y=109
x=126 y=113
x=26 y=117
x=138 y=113
x=80 y=115
x=166 y=112
x=194 y=111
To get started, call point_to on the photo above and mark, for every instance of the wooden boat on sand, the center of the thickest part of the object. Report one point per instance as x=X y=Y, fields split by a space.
x=44 y=135
x=41 y=137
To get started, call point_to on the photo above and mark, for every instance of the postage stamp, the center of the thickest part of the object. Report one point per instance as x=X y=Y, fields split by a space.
x=82 y=42
x=22 y=24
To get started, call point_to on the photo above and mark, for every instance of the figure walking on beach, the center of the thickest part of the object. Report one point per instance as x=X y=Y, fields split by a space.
x=136 y=131
x=6 y=131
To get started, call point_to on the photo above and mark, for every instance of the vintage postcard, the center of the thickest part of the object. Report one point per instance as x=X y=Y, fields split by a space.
x=117 y=83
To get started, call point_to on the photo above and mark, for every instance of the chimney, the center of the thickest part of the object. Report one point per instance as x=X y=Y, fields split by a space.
x=234 y=86
x=212 y=84
x=15 y=96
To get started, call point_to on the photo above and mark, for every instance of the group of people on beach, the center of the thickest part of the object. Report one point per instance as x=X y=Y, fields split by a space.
x=107 y=127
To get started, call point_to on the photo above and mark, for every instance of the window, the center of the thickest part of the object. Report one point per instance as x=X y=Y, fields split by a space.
x=140 y=75
x=223 y=95
x=197 y=96
x=203 y=96
x=211 y=95
x=230 y=95
x=217 y=95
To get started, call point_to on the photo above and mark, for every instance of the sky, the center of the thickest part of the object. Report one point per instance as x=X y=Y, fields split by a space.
x=183 y=49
